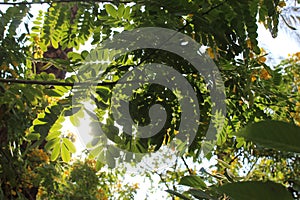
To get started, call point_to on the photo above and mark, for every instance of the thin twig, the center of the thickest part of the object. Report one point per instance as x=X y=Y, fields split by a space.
x=162 y=179
x=235 y=157
x=251 y=168
x=186 y=165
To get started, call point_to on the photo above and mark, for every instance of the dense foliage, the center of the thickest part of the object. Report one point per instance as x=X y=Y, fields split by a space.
x=257 y=151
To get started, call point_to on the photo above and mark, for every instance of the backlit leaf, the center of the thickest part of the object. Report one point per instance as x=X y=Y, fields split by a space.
x=55 y=152
x=273 y=134
x=65 y=154
x=70 y=146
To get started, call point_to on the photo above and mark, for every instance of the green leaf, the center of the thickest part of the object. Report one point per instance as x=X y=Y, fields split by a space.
x=192 y=181
x=199 y=194
x=222 y=163
x=111 y=10
x=38 y=121
x=70 y=146
x=33 y=136
x=54 y=42
x=74 y=120
x=178 y=194
x=52 y=135
x=52 y=143
x=126 y=14
x=256 y=190
x=121 y=9
x=273 y=134
x=65 y=154
x=55 y=152
x=95 y=152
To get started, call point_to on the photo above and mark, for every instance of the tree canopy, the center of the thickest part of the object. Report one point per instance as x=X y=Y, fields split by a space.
x=47 y=79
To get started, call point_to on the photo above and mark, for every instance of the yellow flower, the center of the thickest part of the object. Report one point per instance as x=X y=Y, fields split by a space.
x=40 y=154
x=66 y=172
x=249 y=44
x=40 y=192
x=119 y=185
x=264 y=74
x=135 y=186
x=262 y=59
x=210 y=52
x=92 y=163
x=13 y=192
x=281 y=4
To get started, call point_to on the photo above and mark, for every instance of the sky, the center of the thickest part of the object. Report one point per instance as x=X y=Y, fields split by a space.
x=287 y=42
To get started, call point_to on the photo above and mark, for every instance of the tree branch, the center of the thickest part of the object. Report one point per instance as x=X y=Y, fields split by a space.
x=36 y=82
x=62 y=1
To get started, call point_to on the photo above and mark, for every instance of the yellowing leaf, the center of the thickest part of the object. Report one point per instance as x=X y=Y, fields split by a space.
x=249 y=44
x=297 y=55
x=264 y=74
x=15 y=63
x=253 y=78
x=210 y=53
x=262 y=59
x=281 y=4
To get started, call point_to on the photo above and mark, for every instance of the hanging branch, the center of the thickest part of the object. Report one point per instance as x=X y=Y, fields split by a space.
x=62 y=1
x=56 y=83
x=286 y=23
x=36 y=82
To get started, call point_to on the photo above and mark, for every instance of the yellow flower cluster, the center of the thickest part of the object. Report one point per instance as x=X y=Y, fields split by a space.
x=28 y=177
x=101 y=195
x=135 y=186
x=211 y=53
x=296 y=114
x=295 y=59
x=39 y=154
x=91 y=163
x=263 y=74
x=38 y=52
x=40 y=192
x=51 y=100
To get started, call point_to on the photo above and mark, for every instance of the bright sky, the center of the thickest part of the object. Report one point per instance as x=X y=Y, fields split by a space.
x=278 y=48
x=287 y=42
